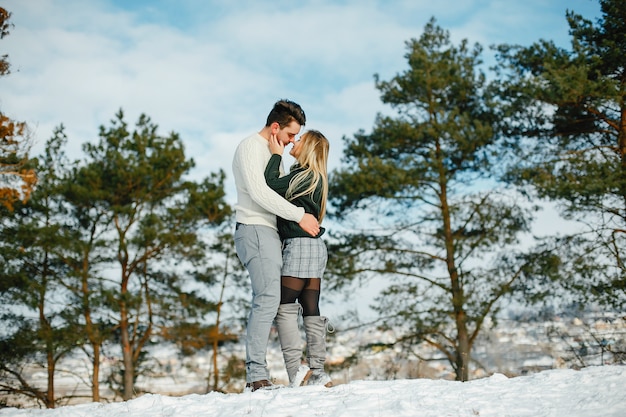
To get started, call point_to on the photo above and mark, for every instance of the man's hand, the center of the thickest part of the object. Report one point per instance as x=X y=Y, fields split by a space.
x=309 y=224
x=276 y=146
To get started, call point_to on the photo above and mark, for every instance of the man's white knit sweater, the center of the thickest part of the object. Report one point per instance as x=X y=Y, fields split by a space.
x=257 y=203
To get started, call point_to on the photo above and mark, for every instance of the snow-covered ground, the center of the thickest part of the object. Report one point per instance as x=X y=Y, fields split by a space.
x=373 y=377
x=590 y=392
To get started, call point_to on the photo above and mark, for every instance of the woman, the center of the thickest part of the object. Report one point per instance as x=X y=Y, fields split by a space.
x=304 y=257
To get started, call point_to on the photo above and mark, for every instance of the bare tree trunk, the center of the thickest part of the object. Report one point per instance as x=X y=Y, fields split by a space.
x=127 y=352
x=216 y=372
x=46 y=331
x=463 y=348
x=95 y=338
x=95 y=377
x=127 y=356
x=621 y=140
x=462 y=353
x=50 y=399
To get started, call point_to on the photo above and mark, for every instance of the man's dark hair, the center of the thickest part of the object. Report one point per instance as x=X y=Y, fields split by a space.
x=284 y=112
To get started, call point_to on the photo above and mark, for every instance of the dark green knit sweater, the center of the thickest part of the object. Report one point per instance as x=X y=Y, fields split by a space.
x=311 y=204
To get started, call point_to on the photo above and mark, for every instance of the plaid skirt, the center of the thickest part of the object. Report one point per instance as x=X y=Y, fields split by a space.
x=304 y=257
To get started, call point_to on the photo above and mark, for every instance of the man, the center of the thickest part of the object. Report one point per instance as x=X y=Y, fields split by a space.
x=256 y=236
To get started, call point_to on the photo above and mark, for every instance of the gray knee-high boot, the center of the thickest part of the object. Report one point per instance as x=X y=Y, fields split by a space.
x=315 y=328
x=290 y=337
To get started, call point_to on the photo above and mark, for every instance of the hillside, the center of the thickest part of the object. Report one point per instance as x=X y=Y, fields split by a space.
x=512 y=348
x=590 y=392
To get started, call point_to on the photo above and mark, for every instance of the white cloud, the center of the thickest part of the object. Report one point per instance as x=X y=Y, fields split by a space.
x=211 y=71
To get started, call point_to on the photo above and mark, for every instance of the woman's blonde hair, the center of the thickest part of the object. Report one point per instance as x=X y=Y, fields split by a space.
x=313 y=158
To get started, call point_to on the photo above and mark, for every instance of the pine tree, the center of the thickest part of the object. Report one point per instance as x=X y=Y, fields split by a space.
x=34 y=240
x=565 y=120
x=425 y=220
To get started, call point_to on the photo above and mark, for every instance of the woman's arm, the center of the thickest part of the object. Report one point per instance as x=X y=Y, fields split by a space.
x=273 y=178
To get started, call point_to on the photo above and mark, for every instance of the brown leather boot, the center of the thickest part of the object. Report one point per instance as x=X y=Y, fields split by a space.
x=261 y=384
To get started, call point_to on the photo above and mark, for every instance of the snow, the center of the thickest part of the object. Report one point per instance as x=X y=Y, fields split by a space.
x=590 y=392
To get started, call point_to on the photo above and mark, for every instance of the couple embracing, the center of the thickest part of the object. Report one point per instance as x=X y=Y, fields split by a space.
x=277 y=239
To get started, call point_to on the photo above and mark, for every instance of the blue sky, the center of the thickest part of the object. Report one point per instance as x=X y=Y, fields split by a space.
x=210 y=70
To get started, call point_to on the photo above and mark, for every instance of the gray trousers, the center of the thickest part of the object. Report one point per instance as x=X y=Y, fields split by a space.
x=259 y=250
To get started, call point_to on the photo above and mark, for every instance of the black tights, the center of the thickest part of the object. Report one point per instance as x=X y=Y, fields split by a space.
x=305 y=290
